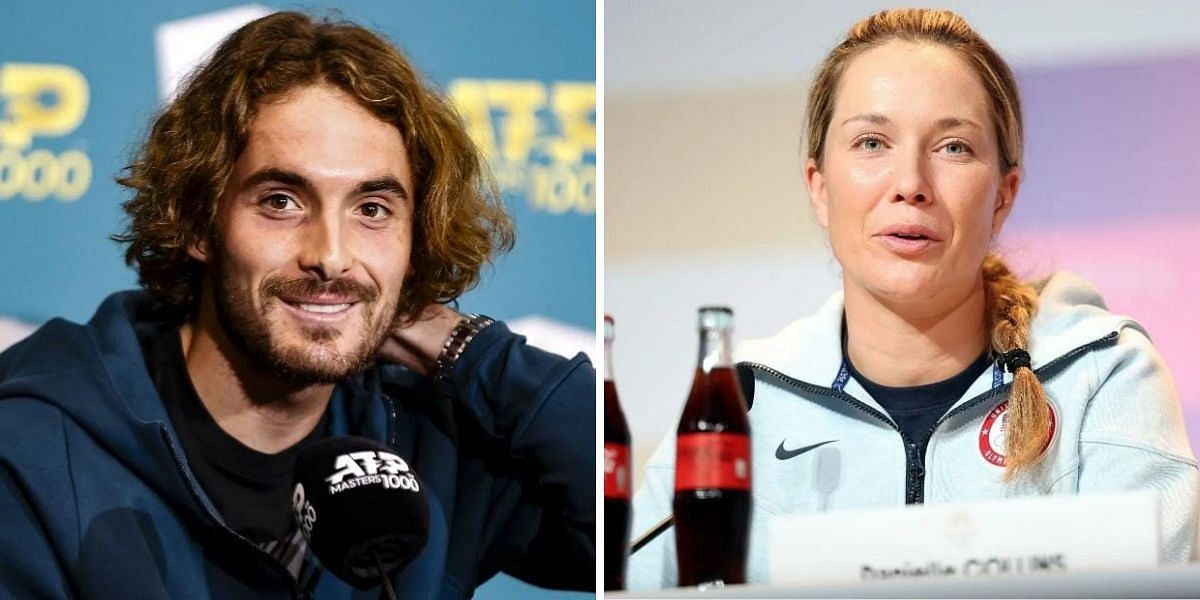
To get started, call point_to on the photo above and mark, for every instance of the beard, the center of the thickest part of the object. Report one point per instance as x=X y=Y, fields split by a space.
x=313 y=358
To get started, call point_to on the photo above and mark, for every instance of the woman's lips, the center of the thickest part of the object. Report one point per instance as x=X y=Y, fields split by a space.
x=906 y=246
x=908 y=239
x=911 y=230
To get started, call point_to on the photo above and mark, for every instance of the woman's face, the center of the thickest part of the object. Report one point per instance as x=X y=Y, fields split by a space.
x=911 y=190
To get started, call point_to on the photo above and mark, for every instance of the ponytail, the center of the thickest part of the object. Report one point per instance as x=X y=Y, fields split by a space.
x=1011 y=306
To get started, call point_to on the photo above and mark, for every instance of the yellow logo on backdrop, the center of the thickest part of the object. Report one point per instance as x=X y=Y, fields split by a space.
x=41 y=100
x=540 y=139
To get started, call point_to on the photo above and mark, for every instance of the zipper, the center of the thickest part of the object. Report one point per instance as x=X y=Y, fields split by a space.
x=211 y=513
x=914 y=465
x=914 y=469
x=391 y=425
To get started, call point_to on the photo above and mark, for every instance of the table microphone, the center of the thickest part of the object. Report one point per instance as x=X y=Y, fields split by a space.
x=361 y=508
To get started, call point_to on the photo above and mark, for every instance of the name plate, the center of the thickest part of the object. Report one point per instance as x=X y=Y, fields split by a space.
x=992 y=538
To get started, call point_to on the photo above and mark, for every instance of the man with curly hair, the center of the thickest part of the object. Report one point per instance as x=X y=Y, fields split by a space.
x=302 y=212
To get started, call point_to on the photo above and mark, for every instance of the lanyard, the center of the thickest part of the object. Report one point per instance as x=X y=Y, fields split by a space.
x=843 y=377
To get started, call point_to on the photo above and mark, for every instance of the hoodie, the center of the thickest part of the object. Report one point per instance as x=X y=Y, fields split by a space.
x=98 y=501
x=1117 y=426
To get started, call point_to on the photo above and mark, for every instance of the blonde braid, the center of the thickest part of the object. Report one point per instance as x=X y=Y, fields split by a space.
x=1011 y=306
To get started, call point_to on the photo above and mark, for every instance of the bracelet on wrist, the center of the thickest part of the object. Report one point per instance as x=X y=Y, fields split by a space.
x=466 y=330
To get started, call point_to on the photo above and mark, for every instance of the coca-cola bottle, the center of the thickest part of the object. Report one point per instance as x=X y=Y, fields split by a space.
x=617 y=475
x=712 y=464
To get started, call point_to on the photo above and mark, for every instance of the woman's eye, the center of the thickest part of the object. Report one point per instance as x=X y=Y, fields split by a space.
x=870 y=144
x=956 y=148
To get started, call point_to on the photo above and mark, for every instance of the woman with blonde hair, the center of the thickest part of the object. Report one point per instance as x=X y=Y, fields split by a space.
x=935 y=374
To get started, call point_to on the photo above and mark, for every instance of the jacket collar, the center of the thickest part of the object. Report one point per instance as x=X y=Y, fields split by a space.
x=97 y=376
x=1071 y=314
x=808 y=349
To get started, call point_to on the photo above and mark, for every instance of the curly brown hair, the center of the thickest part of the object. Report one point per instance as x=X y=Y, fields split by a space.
x=180 y=171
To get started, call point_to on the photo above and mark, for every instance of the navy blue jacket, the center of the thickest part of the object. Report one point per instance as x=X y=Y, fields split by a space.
x=97 y=500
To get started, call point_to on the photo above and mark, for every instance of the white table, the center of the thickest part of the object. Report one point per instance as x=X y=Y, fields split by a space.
x=1163 y=582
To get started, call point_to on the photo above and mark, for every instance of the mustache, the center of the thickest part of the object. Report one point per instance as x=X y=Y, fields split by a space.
x=348 y=288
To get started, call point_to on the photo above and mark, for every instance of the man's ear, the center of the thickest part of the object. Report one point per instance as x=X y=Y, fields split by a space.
x=200 y=248
x=1006 y=197
x=816 y=192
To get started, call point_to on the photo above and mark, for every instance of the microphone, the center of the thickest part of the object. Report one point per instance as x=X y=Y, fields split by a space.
x=745 y=377
x=361 y=508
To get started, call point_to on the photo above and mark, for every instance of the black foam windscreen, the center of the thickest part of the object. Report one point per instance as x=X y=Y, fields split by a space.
x=358 y=502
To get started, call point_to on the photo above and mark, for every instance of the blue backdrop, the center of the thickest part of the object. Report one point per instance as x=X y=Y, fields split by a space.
x=80 y=82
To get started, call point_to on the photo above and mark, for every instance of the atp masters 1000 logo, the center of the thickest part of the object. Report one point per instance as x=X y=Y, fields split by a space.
x=540 y=139
x=41 y=100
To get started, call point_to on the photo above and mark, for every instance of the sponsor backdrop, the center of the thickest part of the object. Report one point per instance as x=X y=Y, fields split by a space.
x=704 y=178
x=79 y=85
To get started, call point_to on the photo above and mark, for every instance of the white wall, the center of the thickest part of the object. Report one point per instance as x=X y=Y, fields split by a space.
x=673 y=45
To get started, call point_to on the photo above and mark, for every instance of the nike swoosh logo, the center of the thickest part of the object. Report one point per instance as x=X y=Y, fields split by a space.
x=782 y=454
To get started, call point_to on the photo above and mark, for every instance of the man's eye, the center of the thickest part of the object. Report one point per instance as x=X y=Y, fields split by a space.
x=277 y=201
x=374 y=211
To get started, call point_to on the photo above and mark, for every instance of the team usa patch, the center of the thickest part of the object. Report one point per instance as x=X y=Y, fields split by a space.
x=993 y=434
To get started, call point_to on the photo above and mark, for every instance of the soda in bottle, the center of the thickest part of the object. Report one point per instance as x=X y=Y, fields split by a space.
x=618 y=478
x=712 y=464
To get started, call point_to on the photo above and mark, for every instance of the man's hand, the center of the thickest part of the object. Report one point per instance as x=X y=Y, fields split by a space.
x=417 y=343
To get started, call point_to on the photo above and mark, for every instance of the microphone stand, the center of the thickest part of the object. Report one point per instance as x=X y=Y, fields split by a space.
x=654 y=532
x=387 y=592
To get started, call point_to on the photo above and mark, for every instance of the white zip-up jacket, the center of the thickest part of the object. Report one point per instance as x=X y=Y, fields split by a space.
x=1117 y=426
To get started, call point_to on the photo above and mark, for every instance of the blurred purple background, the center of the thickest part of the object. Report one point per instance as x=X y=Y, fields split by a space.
x=1112 y=192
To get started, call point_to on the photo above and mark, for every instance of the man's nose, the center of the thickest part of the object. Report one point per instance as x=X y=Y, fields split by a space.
x=323 y=252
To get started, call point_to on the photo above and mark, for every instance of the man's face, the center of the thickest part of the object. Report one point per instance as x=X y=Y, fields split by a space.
x=312 y=237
